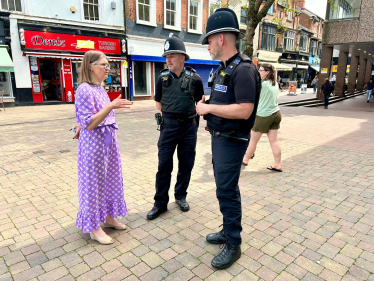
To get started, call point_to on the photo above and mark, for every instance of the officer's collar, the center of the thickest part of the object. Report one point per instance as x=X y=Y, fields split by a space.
x=229 y=60
x=174 y=75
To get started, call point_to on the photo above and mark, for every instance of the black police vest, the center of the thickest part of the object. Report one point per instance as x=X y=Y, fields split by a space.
x=176 y=93
x=222 y=93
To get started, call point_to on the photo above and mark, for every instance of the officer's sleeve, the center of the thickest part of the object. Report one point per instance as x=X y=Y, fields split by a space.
x=245 y=84
x=158 y=94
x=198 y=88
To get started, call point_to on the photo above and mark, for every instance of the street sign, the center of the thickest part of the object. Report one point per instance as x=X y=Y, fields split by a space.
x=323 y=70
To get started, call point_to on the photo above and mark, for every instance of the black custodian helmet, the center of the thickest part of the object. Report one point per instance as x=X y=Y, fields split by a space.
x=175 y=45
x=222 y=20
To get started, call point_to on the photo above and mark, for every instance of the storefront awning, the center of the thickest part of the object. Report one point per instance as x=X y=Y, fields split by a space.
x=65 y=56
x=315 y=67
x=278 y=66
x=299 y=66
x=6 y=64
x=162 y=59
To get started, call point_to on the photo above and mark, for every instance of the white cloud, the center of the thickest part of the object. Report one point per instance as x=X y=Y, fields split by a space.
x=317 y=6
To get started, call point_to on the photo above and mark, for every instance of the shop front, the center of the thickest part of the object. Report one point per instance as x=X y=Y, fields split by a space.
x=299 y=64
x=314 y=68
x=146 y=61
x=55 y=61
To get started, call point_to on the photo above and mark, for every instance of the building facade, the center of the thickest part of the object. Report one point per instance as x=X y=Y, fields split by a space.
x=349 y=28
x=149 y=24
x=48 y=43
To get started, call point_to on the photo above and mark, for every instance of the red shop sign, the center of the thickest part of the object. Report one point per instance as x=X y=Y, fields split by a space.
x=73 y=43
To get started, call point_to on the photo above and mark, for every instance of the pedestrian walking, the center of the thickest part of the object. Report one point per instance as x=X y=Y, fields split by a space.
x=369 y=86
x=315 y=84
x=100 y=182
x=268 y=118
x=230 y=115
x=178 y=88
x=327 y=88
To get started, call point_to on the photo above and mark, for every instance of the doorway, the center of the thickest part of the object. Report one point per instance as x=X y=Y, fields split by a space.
x=50 y=76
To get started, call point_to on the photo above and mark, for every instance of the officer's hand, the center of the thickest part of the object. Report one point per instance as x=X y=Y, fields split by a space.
x=120 y=103
x=202 y=107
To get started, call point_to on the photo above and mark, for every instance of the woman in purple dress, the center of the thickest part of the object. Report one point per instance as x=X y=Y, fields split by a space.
x=100 y=182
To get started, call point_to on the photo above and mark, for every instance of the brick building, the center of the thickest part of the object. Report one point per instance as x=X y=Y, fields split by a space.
x=349 y=28
x=148 y=24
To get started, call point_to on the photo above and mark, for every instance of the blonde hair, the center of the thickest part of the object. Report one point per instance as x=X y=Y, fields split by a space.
x=85 y=74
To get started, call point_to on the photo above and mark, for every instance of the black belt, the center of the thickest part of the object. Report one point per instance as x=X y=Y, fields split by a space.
x=225 y=135
x=179 y=122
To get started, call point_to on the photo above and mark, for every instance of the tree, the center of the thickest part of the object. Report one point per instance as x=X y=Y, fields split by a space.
x=255 y=14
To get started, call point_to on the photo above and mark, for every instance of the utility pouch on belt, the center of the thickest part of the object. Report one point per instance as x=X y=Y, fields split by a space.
x=159 y=120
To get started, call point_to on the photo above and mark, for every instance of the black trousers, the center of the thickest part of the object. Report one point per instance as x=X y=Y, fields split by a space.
x=227 y=160
x=183 y=138
x=327 y=100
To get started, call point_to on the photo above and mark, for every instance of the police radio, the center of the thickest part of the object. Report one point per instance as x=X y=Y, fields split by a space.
x=211 y=78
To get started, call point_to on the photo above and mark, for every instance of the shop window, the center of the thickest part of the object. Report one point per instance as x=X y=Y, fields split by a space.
x=313 y=47
x=91 y=10
x=146 y=12
x=289 y=40
x=303 y=42
x=113 y=82
x=5 y=84
x=243 y=16
x=271 y=10
x=140 y=78
x=11 y=5
x=195 y=16
x=290 y=15
x=75 y=69
x=268 y=38
x=172 y=12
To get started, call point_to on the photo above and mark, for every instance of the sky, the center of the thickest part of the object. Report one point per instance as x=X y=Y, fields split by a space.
x=317 y=6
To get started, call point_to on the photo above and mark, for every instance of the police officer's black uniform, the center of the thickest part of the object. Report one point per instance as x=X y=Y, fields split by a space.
x=178 y=97
x=237 y=81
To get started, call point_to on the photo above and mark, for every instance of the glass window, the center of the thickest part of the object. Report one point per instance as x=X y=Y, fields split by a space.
x=75 y=69
x=91 y=10
x=140 y=78
x=171 y=10
x=303 y=42
x=313 y=47
x=113 y=82
x=5 y=84
x=271 y=10
x=243 y=16
x=144 y=7
x=289 y=40
x=213 y=5
x=344 y=9
x=319 y=52
x=290 y=15
x=268 y=38
x=240 y=45
x=11 y=5
x=194 y=14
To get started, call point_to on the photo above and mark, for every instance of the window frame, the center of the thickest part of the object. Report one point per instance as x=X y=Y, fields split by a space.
x=210 y=4
x=246 y=19
x=306 y=42
x=177 y=19
x=14 y=11
x=288 y=40
x=148 y=78
x=268 y=36
x=319 y=49
x=199 y=22
x=311 y=47
x=290 y=16
x=152 y=14
x=100 y=2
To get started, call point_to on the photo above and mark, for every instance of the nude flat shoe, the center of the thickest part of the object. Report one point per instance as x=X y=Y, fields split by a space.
x=121 y=226
x=105 y=241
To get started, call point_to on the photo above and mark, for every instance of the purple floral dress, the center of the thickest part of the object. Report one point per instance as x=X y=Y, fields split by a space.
x=100 y=182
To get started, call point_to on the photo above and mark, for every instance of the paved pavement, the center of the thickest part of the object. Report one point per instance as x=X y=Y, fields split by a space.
x=314 y=221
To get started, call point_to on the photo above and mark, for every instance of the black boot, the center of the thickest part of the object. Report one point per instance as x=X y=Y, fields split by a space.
x=217 y=238
x=183 y=205
x=155 y=212
x=227 y=257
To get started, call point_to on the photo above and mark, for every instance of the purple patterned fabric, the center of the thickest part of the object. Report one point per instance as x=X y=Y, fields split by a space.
x=100 y=182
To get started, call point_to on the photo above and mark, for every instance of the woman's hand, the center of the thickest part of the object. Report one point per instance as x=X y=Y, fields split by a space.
x=77 y=130
x=120 y=103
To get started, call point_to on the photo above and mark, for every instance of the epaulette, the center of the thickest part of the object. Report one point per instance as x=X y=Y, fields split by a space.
x=164 y=72
x=245 y=57
x=188 y=68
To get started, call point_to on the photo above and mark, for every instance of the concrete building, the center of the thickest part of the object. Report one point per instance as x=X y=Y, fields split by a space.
x=48 y=40
x=349 y=28
x=149 y=24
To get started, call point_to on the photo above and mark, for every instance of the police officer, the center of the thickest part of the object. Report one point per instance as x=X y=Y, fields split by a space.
x=230 y=115
x=178 y=89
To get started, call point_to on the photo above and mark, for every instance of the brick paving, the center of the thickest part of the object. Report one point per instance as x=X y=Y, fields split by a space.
x=314 y=221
